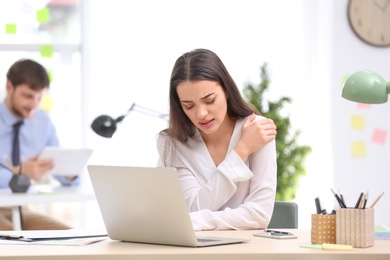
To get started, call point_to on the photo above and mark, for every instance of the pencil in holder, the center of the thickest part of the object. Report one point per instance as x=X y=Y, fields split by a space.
x=355 y=227
x=323 y=228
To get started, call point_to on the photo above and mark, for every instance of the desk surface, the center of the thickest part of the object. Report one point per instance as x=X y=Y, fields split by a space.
x=33 y=196
x=256 y=248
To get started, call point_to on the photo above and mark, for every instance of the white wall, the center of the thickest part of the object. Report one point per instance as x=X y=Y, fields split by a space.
x=372 y=170
x=131 y=47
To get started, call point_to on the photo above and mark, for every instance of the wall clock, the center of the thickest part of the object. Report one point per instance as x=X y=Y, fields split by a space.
x=370 y=20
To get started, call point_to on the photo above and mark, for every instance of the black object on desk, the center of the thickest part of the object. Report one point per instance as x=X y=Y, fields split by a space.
x=19 y=183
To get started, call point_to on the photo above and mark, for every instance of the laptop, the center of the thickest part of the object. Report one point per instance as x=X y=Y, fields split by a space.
x=146 y=205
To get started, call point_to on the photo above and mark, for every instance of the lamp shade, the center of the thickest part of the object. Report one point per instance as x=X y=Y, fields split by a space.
x=366 y=87
x=105 y=125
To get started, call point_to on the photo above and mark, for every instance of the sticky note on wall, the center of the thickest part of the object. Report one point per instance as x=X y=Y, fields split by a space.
x=46 y=51
x=10 y=28
x=46 y=103
x=358 y=149
x=43 y=15
x=50 y=74
x=358 y=122
x=363 y=106
x=379 y=136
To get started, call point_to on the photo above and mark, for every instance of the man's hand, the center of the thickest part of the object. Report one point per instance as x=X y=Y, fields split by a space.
x=35 y=168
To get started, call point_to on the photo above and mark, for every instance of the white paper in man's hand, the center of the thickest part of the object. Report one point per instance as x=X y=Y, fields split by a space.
x=66 y=161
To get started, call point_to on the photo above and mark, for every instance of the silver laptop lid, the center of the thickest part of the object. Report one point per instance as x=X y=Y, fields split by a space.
x=141 y=204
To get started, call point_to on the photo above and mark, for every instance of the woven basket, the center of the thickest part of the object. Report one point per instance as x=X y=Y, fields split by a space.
x=355 y=227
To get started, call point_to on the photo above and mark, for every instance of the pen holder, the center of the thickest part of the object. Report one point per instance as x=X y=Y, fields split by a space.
x=19 y=183
x=323 y=229
x=355 y=227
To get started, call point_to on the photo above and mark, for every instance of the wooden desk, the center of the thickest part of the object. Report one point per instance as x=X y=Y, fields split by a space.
x=256 y=248
x=60 y=194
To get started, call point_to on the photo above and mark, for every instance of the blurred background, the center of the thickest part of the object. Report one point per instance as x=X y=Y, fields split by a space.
x=105 y=55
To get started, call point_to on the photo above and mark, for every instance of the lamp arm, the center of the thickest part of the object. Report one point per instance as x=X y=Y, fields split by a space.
x=147 y=111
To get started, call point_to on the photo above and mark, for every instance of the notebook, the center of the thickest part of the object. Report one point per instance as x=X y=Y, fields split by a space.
x=146 y=205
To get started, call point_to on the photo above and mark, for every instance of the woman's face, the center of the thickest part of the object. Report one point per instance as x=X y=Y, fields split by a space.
x=204 y=102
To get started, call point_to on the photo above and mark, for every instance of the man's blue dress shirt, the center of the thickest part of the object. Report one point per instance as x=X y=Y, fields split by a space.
x=35 y=134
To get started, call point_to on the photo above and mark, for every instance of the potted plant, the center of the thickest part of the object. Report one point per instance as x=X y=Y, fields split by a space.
x=290 y=155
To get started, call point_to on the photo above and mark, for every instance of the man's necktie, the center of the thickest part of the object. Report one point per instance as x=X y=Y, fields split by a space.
x=16 y=156
x=15 y=144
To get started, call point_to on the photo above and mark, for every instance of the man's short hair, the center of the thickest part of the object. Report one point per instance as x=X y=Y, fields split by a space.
x=26 y=71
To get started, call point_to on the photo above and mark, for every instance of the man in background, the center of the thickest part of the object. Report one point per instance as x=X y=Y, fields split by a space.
x=26 y=83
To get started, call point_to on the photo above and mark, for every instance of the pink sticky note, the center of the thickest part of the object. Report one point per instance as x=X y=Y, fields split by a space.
x=379 y=136
x=363 y=106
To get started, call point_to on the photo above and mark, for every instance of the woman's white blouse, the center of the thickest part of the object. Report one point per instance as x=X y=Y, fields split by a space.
x=232 y=195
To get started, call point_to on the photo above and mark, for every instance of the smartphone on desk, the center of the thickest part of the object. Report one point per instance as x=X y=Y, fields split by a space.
x=275 y=234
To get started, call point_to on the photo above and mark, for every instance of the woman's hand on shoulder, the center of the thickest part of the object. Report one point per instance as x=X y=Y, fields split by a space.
x=254 y=135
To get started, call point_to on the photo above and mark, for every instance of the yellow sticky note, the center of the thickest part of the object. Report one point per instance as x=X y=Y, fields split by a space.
x=43 y=15
x=46 y=51
x=46 y=103
x=312 y=246
x=326 y=246
x=10 y=28
x=358 y=149
x=358 y=122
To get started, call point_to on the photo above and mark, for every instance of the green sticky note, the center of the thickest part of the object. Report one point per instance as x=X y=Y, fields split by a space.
x=43 y=15
x=381 y=228
x=50 y=74
x=10 y=28
x=46 y=51
x=313 y=246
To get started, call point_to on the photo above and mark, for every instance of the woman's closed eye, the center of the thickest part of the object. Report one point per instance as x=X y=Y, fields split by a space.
x=188 y=107
x=210 y=101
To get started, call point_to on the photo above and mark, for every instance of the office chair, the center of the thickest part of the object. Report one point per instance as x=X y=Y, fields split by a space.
x=285 y=215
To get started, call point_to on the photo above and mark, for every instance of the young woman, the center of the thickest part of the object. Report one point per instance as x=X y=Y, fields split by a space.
x=224 y=154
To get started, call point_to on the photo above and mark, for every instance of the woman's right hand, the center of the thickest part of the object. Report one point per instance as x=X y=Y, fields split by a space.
x=254 y=135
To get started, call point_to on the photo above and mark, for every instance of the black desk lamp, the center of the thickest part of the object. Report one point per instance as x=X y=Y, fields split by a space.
x=366 y=87
x=106 y=126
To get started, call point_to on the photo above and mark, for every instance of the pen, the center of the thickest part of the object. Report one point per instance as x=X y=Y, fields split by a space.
x=318 y=205
x=11 y=237
x=342 y=197
x=277 y=232
x=365 y=201
x=8 y=161
x=342 y=205
x=376 y=200
x=363 y=198
x=359 y=199
x=13 y=168
x=320 y=210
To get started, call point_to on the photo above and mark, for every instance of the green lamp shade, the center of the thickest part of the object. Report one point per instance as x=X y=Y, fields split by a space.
x=366 y=87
